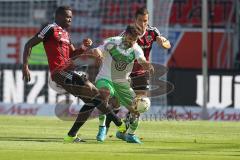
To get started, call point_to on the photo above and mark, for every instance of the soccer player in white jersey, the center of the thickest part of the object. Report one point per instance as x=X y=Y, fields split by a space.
x=118 y=55
x=139 y=76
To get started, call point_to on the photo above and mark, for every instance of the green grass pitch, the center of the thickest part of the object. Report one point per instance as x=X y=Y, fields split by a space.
x=33 y=138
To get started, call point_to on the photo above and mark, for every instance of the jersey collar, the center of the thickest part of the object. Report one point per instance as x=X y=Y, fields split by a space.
x=58 y=26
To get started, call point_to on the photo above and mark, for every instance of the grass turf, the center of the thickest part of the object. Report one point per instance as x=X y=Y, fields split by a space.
x=32 y=138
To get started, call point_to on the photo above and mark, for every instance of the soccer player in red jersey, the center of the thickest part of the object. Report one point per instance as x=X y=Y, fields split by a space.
x=139 y=77
x=59 y=51
x=148 y=35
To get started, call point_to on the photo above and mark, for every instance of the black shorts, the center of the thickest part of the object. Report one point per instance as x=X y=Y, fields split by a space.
x=140 y=82
x=71 y=81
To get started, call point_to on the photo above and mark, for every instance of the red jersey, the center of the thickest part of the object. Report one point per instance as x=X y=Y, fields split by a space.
x=57 y=43
x=145 y=42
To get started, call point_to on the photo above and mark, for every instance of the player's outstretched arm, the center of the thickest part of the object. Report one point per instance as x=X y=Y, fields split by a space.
x=94 y=53
x=26 y=54
x=164 y=42
x=86 y=43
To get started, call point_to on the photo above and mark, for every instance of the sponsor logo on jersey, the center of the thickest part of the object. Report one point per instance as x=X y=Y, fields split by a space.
x=121 y=65
x=149 y=38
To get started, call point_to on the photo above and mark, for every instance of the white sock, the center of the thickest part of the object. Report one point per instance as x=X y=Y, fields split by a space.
x=102 y=120
x=133 y=126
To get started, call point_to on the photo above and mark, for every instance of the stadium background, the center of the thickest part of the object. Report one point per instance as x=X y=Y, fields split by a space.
x=179 y=20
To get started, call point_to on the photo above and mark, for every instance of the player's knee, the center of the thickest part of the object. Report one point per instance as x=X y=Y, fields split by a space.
x=99 y=100
x=94 y=102
x=114 y=103
x=78 y=78
x=92 y=89
x=105 y=93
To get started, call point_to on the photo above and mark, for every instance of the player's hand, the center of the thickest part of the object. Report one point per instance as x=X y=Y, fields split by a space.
x=26 y=73
x=87 y=42
x=165 y=43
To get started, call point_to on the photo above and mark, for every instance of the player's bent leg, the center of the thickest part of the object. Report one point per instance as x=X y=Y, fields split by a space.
x=108 y=111
x=101 y=135
x=114 y=103
x=79 y=86
x=117 y=121
x=75 y=84
x=82 y=117
x=132 y=124
x=106 y=89
x=140 y=84
x=125 y=95
x=102 y=118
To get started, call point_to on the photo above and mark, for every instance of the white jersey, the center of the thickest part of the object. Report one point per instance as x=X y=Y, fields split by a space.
x=118 y=61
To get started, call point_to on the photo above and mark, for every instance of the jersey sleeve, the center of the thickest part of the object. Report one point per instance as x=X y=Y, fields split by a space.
x=156 y=32
x=107 y=45
x=102 y=46
x=45 y=32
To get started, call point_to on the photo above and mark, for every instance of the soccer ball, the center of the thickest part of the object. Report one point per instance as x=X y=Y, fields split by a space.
x=142 y=104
